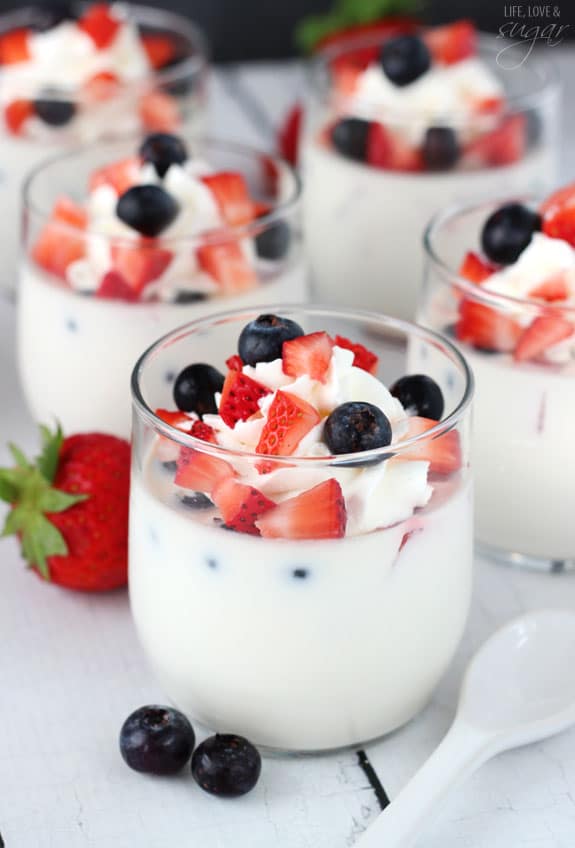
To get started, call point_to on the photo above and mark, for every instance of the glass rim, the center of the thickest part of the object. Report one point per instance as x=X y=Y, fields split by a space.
x=145 y=412
x=451 y=276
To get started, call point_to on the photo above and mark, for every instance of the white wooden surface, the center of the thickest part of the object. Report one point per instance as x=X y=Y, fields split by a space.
x=71 y=670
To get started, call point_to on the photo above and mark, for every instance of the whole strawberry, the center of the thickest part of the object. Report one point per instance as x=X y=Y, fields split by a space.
x=70 y=509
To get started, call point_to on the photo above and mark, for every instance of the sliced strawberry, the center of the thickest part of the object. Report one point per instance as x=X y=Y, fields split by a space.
x=240 y=396
x=159 y=112
x=203 y=431
x=309 y=355
x=240 y=505
x=234 y=362
x=442 y=452
x=380 y=146
x=289 y=419
x=486 y=328
x=289 y=134
x=504 y=145
x=140 y=263
x=57 y=247
x=100 y=24
x=558 y=213
x=475 y=269
x=160 y=49
x=345 y=76
x=226 y=262
x=363 y=357
x=406 y=157
x=556 y=287
x=69 y=212
x=453 y=42
x=102 y=86
x=232 y=196
x=113 y=286
x=319 y=513
x=489 y=105
x=545 y=331
x=120 y=175
x=14 y=46
x=200 y=471
x=175 y=418
x=16 y=114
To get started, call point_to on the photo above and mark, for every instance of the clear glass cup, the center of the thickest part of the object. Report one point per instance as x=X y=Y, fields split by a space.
x=363 y=224
x=301 y=645
x=76 y=351
x=524 y=461
x=168 y=98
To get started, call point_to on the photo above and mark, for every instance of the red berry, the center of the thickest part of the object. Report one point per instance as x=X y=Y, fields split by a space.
x=363 y=358
x=159 y=48
x=309 y=355
x=176 y=419
x=545 y=331
x=199 y=471
x=120 y=175
x=16 y=113
x=442 y=452
x=159 y=112
x=203 y=431
x=240 y=396
x=113 y=286
x=289 y=419
x=486 y=328
x=231 y=194
x=14 y=46
x=226 y=262
x=452 y=43
x=318 y=513
x=504 y=145
x=140 y=263
x=240 y=505
x=289 y=134
x=554 y=288
x=234 y=362
x=100 y=24
x=475 y=269
x=102 y=86
x=558 y=213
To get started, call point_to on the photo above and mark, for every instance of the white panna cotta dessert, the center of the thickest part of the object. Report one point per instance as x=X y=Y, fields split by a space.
x=501 y=280
x=292 y=495
x=396 y=131
x=124 y=244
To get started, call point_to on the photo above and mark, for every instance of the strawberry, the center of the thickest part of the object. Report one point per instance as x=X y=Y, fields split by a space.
x=489 y=105
x=203 y=431
x=543 y=332
x=382 y=29
x=318 y=513
x=309 y=355
x=69 y=212
x=451 y=43
x=140 y=263
x=556 y=287
x=380 y=146
x=159 y=112
x=289 y=134
x=120 y=175
x=58 y=245
x=200 y=471
x=442 y=452
x=175 y=418
x=232 y=197
x=363 y=358
x=475 y=269
x=14 y=46
x=504 y=145
x=289 y=419
x=100 y=24
x=234 y=362
x=113 y=286
x=101 y=86
x=70 y=509
x=16 y=113
x=240 y=396
x=240 y=505
x=558 y=213
x=160 y=49
x=345 y=76
x=486 y=328
x=226 y=262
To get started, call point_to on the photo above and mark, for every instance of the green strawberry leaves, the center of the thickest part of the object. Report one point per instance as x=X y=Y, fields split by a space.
x=348 y=13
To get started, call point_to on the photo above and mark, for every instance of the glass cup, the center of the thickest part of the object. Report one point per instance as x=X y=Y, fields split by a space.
x=524 y=461
x=76 y=351
x=363 y=224
x=300 y=645
x=166 y=99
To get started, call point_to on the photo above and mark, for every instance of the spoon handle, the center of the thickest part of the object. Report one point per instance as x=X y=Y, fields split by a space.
x=460 y=753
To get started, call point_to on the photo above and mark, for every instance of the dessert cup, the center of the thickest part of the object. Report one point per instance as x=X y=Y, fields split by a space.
x=298 y=644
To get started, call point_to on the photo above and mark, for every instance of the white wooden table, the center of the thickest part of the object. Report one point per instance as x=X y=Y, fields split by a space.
x=71 y=670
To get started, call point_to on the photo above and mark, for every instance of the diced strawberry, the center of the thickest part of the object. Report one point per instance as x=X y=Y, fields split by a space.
x=140 y=263
x=380 y=146
x=406 y=157
x=113 y=286
x=489 y=105
x=240 y=396
x=442 y=452
x=453 y=42
x=232 y=196
x=345 y=76
x=486 y=328
x=199 y=471
x=120 y=175
x=69 y=212
x=558 y=213
x=556 y=287
x=289 y=419
x=319 y=513
x=57 y=247
x=240 y=505
x=226 y=262
x=203 y=431
x=234 y=362
x=504 y=145
x=475 y=269
x=159 y=48
x=545 y=331
x=175 y=418
x=14 y=46
x=101 y=86
x=289 y=134
x=17 y=113
x=309 y=355
x=100 y=24
x=159 y=112
x=363 y=357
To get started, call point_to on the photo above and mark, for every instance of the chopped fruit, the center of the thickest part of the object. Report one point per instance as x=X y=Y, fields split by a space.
x=380 y=146
x=199 y=471
x=443 y=452
x=452 y=43
x=363 y=357
x=227 y=263
x=100 y=24
x=262 y=339
x=318 y=513
x=177 y=419
x=240 y=505
x=14 y=46
x=113 y=286
x=502 y=146
x=157 y=740
x=240 y=396
x=508 y=231
x=159 y=112
x=203 y=431
x=101 y=86
x=149 y=209
x=419 y=395
x=57 y=247
x=140 y=263
x=558 y=213
x=356 y=426
x=545 y=331
x=232 y=197
x=556 y=287
x=160 y=49
x=289 y=419
x=475 y=269
x=404 y=59
x=226 y=765
x=120 y=175
x=69 y=212
x=345 y=77
x=195 y=387
x=489 y=105
x=309 y=355
x=234 y=362
x=486 y=328
x=289 y=134
x=17 y=113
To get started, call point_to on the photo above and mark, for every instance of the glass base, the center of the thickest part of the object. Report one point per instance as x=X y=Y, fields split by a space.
x=518 y=560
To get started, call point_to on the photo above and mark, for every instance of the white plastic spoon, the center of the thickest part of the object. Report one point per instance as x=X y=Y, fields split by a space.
x=519 y=688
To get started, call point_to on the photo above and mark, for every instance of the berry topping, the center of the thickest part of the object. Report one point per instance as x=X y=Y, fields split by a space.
x=356 y=426
x=262 y=339
x=232 y=196
x=234 y=362
x=227 y=263
x=349 y=136
x=160 y=49
x=240 y=505
x=53 y=110
x=440 y=149
x=486 y=328
x=100 y=24
x=475 y=269
x=443 y=452
x=309 y=355
x=113 y=286
x=162 y=150
x=404 y=59
x=179 y=420
x=363 y=358
x=17 y=113
x=502 y=146
x=58 y=246
x=195 y=386
x=508 y=231
x=199 y=471
x=289 y=419
x=149 y=209
x=120 y=175
x=14 y=46
x=273 y=242
x=240 y=396
x=157 y=740
x=289 y=134
x=419 y=395
x=452 y=43
x=318 y=513
x=140 y=263
x=226 y=765
x=159 y=112
x=203 y=431
x=558 y=213
x=545 y=331
x=554 y=288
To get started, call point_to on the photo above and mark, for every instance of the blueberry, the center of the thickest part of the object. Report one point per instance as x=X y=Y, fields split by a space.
x=262 y=339
x=49 y=14
x=162 y=150
x=508 y=231
x=404 y=59
x=226 y=765
x=147 y=208
x=349 y=137
x=356 y=426
x=419 y=395
x=195 y=386
x=274 y=241
x=196 y=501
x=157 y=740
x=185 y=296
x=440 y=149
x=53 y=110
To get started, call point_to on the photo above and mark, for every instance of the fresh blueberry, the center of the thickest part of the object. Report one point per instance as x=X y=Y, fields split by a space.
x=356 y=426
x=440 y=149
x=195 y=386
x=508 y=231
x=149 y=209
x=162 y=150
x=184 y=296
x=349 y=137
x=419 y=395
x=49 y=14
x=196 y=501
x=262 y=339
x=404 y=59
x=53 y=110
x=226 y=765
x=157 y=740
x=274 y=241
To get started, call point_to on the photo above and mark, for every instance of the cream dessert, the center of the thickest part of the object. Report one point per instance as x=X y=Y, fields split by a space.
x=398 y=131
x=161 y=237
x=512 y=310
x=297 y=489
